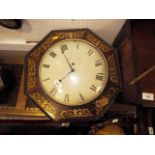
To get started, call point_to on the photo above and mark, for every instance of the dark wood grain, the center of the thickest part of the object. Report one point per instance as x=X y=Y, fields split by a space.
x=136 y=43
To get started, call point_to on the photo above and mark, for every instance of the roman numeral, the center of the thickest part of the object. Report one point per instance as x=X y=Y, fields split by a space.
x=66 y=98
x=53 y=91
x=100 y=76
x=46 y=65
x=90 y=52
x=98 y=62
x=93 y=88
x=46 y=79
x=63 y=48
x=82 y=98
x=52 y=54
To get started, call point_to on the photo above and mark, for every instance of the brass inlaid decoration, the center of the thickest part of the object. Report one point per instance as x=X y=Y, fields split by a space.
x=41 y=49
x=100 y=105
x=76 y=113
x=69 y=35
x=43 y=103
x=112 y=68
x=31 y=78
x=94 y=40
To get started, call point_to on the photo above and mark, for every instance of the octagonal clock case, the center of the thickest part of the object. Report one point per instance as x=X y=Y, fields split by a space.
x=72 y=75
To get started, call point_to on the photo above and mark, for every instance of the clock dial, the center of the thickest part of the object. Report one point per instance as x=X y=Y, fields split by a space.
x=73 y=72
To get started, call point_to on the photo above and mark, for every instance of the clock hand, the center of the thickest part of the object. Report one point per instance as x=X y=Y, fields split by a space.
x=72 y=70
x=67 y=61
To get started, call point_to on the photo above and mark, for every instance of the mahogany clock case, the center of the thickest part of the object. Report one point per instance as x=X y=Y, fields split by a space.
x=112 y=89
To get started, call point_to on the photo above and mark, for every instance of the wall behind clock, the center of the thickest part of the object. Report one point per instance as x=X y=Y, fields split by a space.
x=36 y=29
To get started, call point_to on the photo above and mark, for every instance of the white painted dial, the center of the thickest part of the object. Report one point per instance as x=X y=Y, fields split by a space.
x=73 y=72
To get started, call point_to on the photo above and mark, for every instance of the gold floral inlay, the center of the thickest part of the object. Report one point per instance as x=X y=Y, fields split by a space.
x=31 y=75
x=70 y=34
x=43 y=103
x=42 y=48
x=100 y=104
x=112 y=68
x=96 y=41
x=75 y=113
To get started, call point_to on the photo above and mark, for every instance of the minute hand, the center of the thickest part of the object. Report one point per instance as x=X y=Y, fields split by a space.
x=68 y=62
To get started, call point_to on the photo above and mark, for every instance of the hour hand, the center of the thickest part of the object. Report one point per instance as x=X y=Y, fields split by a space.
x=72 y=70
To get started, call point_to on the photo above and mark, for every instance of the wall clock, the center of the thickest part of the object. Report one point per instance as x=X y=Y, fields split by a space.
x=72 y=75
